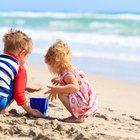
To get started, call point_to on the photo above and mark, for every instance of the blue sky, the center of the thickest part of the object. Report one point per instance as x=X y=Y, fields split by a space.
x=66 y=5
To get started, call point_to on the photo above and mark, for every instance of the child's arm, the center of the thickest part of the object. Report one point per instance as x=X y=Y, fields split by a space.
x=29 y=89
x=19 y=92
x=32 y=112
x=55 y=81
x=70 y=87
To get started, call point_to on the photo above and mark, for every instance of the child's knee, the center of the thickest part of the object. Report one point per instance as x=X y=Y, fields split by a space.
x=60 y=96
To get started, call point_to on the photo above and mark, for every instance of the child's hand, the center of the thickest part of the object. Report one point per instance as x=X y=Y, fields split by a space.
x=31 y=111
x=52 y=96
x=36 y=113
x=52 y=92
x=55 y=81
x=29 y=89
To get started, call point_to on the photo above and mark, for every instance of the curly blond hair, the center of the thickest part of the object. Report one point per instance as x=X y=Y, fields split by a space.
x=15 y=39
x=58 y=56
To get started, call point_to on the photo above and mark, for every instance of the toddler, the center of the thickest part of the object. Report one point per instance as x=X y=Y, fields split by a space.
x=13 y=78
x=71 y=86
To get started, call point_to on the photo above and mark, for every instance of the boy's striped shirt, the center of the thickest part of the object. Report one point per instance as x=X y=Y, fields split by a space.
x=8 y=70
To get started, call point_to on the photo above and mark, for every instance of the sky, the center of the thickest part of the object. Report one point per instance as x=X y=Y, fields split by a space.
x=72 y=5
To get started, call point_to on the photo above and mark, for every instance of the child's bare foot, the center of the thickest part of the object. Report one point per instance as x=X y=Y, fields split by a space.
x=72 y=119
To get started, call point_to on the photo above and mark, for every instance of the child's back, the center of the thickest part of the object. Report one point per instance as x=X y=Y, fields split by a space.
x=13 y=78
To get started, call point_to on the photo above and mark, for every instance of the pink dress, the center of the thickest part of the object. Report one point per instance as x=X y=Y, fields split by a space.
x=84 y=102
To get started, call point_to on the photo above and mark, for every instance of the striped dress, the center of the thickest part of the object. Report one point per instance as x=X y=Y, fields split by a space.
x=8 y=70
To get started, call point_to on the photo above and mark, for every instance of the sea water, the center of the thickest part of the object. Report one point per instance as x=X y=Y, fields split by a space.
x=105 y=44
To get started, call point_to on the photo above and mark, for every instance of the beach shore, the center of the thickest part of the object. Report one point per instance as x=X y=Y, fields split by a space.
x=117 y=117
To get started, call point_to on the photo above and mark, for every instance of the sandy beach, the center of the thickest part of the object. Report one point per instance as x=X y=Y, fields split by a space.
x=117 y=118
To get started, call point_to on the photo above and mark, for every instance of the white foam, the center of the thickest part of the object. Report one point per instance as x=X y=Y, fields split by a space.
x=128 y=57
x=42 y=14
x=87 y=38
x=109 y=56
x=88 y=45
x=31 y=14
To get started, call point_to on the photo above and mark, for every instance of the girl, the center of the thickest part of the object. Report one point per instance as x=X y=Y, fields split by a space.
x=71 y=85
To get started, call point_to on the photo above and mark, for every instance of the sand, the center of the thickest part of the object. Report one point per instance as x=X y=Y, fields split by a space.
x=117 y=118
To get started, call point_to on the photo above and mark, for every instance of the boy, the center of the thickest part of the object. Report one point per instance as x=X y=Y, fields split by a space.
x=13 y=78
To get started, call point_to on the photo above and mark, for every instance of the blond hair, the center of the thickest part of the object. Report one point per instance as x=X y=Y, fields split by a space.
x=58 y=56
x=15 y=40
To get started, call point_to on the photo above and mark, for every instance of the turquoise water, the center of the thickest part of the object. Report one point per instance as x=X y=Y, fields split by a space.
x=105 y=23
x=102 y=43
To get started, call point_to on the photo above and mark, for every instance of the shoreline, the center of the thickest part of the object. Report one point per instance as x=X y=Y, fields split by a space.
x=126 y=71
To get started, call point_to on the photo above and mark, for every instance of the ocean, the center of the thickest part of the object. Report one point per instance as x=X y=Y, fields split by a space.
x=106 y=44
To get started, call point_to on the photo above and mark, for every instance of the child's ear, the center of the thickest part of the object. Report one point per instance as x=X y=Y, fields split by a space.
x=23 y=52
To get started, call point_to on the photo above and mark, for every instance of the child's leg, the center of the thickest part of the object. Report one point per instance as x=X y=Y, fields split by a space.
x=5 y=110
x=5 y=102
x=65 y=100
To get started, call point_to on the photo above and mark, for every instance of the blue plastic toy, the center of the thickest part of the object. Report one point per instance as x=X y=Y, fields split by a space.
x=41 y=104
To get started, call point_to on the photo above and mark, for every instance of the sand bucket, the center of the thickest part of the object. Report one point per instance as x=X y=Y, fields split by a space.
x=41 y=104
